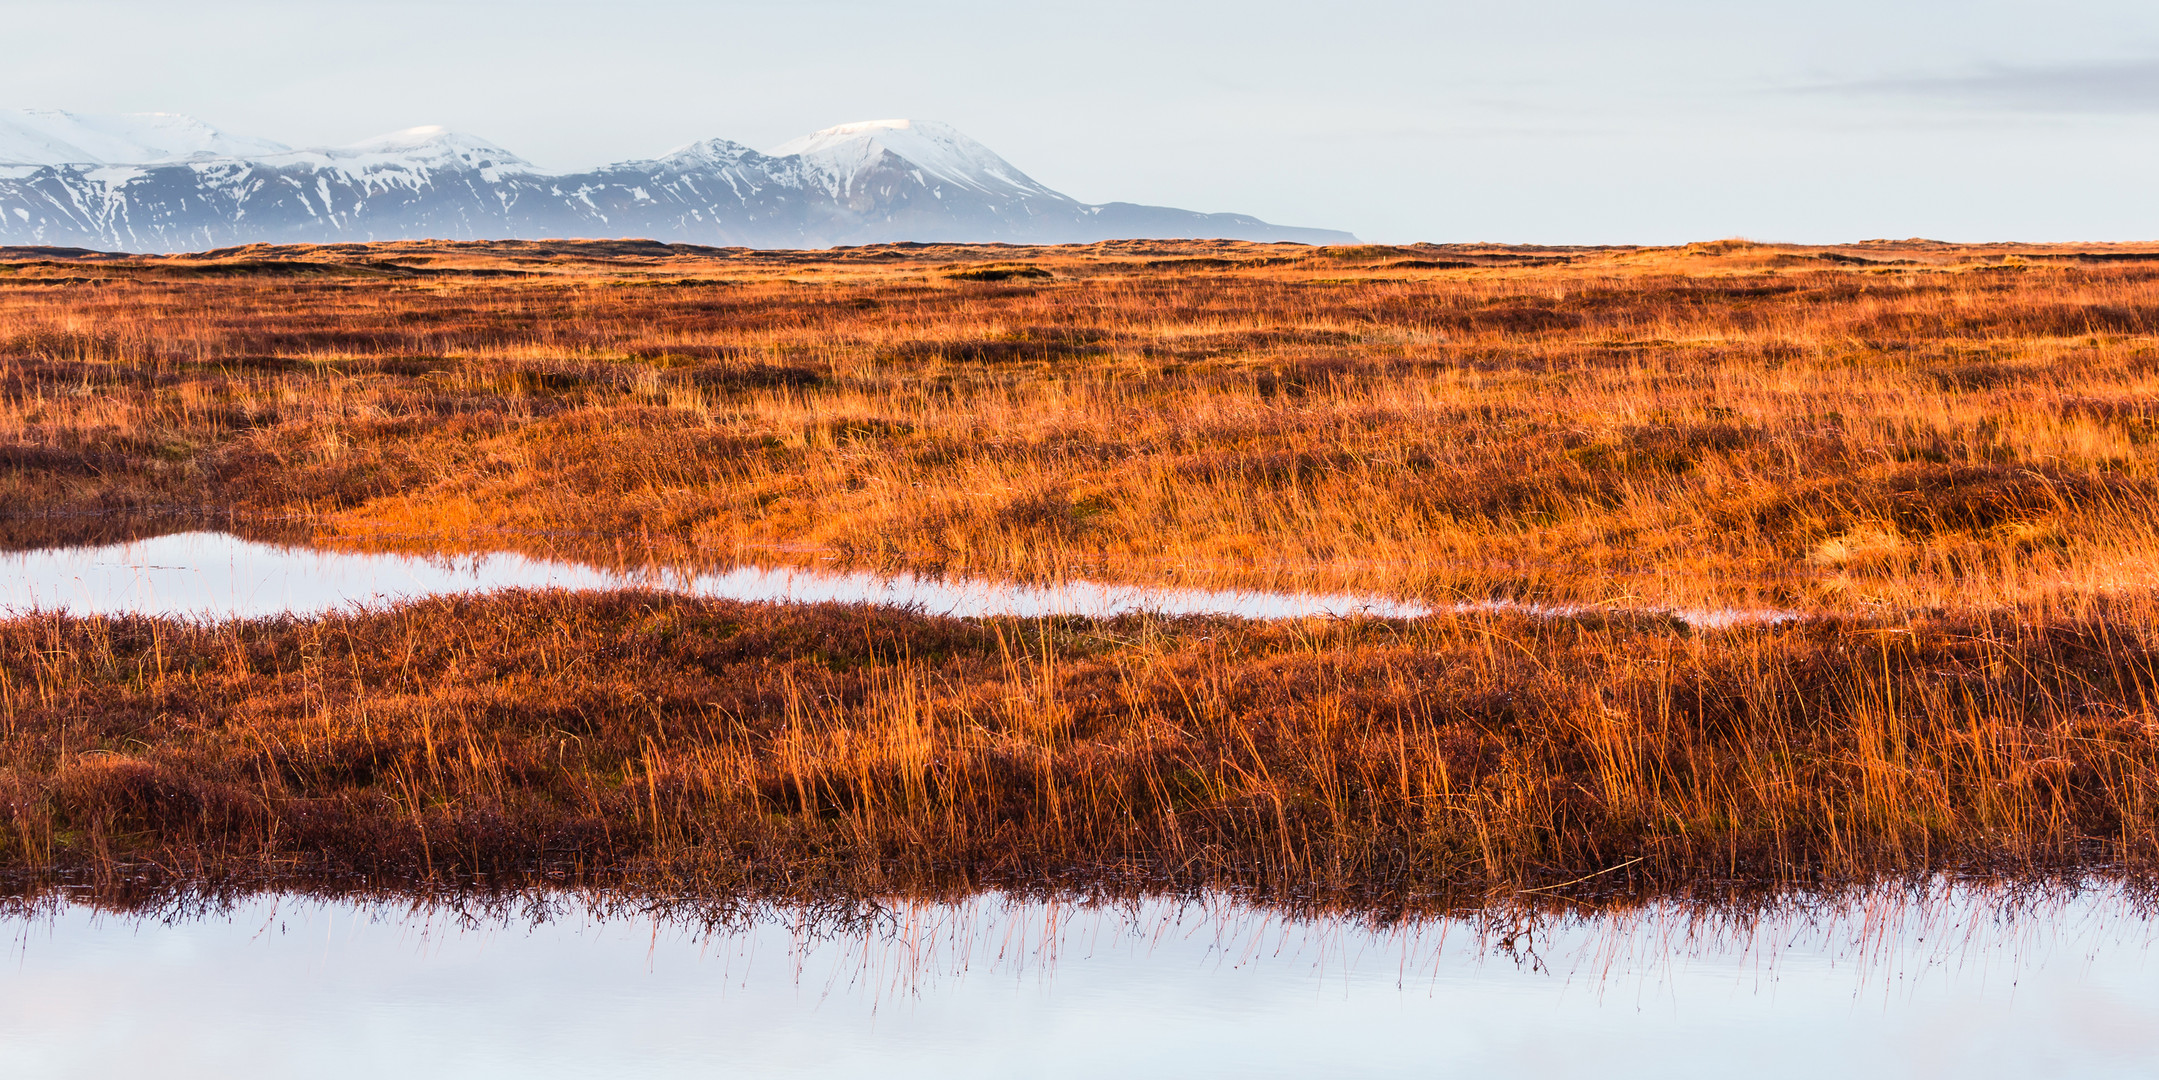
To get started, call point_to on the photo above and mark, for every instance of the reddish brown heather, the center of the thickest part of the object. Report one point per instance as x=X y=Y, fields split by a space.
x=694 y=746
x=1945 y=455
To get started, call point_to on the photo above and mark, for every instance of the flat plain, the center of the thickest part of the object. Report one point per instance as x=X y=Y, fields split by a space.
x=1751 y=567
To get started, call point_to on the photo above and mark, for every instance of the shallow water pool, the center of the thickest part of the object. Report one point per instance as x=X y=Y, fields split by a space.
x=1887 y=985
x=217 y=575
x=212 y=575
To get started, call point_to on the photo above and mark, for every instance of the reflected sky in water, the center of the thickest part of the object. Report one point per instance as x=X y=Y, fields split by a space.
x=990 y=988
x=217 y=575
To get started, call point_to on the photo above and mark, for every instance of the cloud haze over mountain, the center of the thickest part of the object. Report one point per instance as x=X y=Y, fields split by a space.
x=1546 y=120
x=2063 y=89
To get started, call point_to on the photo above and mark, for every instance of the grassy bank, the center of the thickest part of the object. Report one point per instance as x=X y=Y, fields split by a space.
x=700 y=746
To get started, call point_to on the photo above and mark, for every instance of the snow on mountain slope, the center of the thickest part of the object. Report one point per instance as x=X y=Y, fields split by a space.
x=417 y=151
x=840 y=156
x=52 y=137
x=875 y=182
x=431 y=145
x=705 y=153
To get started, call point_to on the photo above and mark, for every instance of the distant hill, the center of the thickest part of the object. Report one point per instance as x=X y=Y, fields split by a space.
x=159 y=183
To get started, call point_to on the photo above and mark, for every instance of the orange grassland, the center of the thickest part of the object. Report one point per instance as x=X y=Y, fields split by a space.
x=1939 y=460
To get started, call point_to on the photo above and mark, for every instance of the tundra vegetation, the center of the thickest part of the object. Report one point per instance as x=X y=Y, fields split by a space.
x=1936 y=466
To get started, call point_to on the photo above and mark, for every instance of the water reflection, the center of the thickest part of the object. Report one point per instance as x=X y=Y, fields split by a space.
x=218 y=575
x=1951 y=983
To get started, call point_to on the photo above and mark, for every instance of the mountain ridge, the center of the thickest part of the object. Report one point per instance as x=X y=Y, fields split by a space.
x=869 y=182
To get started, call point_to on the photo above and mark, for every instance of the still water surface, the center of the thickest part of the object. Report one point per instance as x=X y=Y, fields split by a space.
x=218 y=576
x=1945 y=985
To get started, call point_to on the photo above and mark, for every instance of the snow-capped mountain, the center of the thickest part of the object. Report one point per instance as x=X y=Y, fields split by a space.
x=850 y=160
x=52 y=137
x=155 y=182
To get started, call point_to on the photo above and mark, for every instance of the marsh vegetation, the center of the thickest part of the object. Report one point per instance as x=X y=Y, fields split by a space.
x=1940 y=459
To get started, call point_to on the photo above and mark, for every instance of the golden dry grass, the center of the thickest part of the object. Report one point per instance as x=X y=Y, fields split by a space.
x=697 y=747
x=1942 y=455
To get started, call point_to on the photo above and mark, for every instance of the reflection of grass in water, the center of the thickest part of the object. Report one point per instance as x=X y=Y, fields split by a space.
x=1943 y=455
x=1899 y=937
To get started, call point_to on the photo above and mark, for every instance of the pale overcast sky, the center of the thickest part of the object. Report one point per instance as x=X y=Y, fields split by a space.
x=1549 y=121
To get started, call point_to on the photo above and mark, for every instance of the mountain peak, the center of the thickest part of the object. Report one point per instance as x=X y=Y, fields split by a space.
x=162 y=182
x=54 y=137
x=708 y=152
x=842 y=153
x=414 y=136
x=428 y=145
x=424 y=137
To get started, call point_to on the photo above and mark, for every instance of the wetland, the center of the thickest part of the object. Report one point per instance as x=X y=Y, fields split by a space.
x=1379 y=579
